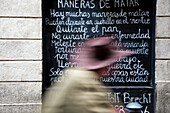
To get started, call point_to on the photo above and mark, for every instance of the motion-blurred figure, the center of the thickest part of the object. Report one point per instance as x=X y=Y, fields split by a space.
x=82 y=91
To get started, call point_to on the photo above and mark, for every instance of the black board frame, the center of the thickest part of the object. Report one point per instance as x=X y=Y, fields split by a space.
x=45 y=51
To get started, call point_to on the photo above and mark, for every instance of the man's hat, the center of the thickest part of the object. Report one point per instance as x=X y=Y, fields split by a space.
x=98 y=53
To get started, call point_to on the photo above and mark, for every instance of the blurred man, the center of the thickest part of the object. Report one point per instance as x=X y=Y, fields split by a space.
x=82 y=92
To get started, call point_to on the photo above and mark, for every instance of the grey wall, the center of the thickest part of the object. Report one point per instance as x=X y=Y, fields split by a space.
x=163 y=56
x=21 y=56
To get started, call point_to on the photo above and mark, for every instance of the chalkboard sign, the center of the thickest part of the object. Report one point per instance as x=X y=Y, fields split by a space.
x=131 y=25
x=123 y=96
x=68 y=23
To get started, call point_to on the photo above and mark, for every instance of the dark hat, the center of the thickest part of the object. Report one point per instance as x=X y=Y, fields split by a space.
x=98 y=53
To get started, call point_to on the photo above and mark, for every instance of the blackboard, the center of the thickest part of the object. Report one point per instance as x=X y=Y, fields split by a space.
x=123 y=96
x=131 y=24
x=67 y=23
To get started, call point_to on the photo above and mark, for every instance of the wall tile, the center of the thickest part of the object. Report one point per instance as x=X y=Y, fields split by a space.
x=20 y=28
x=163 y=48
x=20 y=50
x=21 y=71
x=20 y=92
x=163 y=97
x=163 y=7
x=162 y=70
x=20 y=109
x=28 y=8
x=163 y=27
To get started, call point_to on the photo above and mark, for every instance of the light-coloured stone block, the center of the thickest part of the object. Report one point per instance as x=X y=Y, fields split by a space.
x=162 y=70
x=20 y=109
x=163 y=97
x=20 y=28
x=163 y=27
x=20 y=92
x=163 y=48
x=28 y=8
x=21 y=71
x=163 y=8
x=20 y=49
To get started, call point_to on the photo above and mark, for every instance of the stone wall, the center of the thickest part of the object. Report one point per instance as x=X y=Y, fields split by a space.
x=163 y=56
x=21 y=56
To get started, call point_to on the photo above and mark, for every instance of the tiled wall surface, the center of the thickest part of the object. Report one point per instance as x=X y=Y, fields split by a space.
x=21 y=56
x=163 y=56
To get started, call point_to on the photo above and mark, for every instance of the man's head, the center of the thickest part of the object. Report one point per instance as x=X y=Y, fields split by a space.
x=98 y=53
